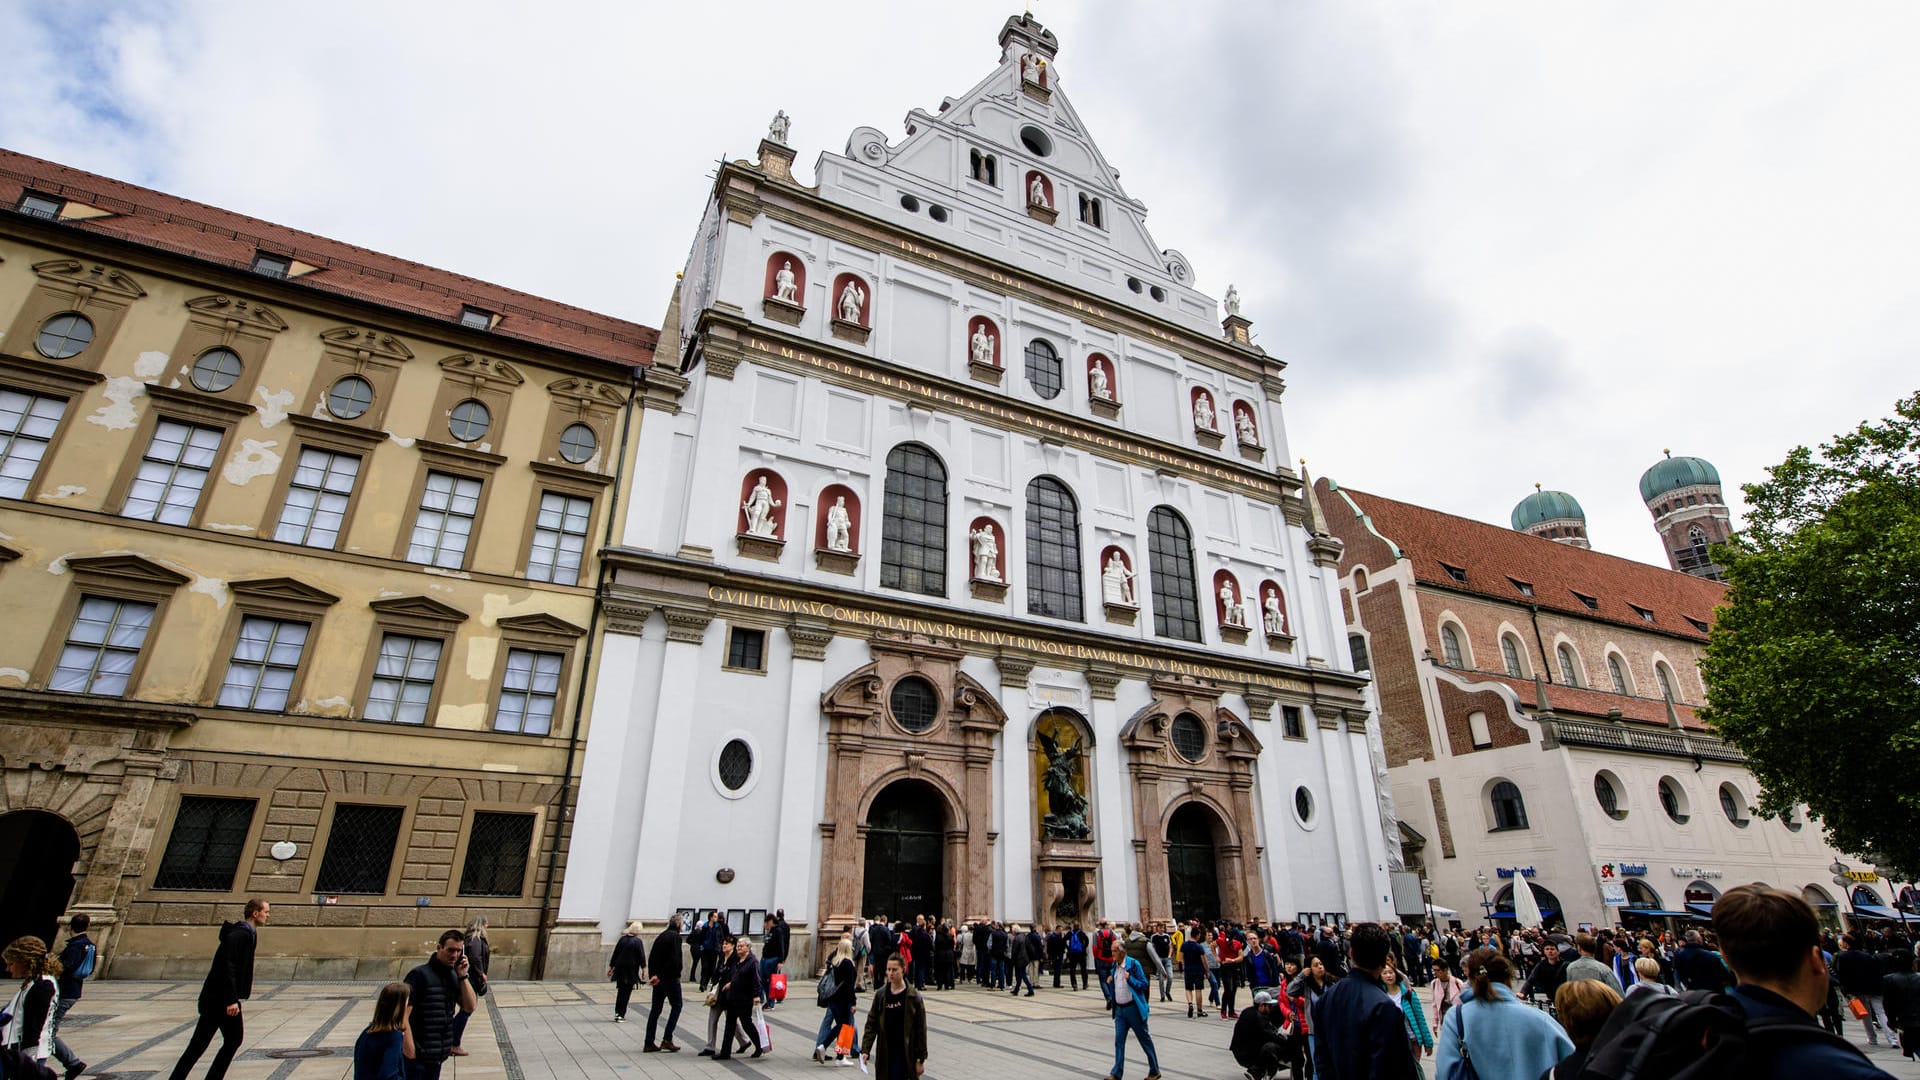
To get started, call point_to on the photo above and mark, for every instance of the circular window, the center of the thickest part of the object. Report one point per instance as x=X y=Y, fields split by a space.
x=1303 y=805
x=349 y=398
x=916 y=706
x=937 y=213
x=64 y=335
x=1036 y=141
x=469 y=420
x=1607 y=789
x=909 y=204
x=1730 y=805
x=216 y=370
x=1189 y=737
x=1043 y=369
x=736 y=764
x=1673 y=800
x=578 y=443
x=1157 y=293
x=1136 y=284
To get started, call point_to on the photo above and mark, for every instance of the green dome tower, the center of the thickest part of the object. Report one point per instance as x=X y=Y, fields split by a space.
x=1683 y=495
x=1552 y=515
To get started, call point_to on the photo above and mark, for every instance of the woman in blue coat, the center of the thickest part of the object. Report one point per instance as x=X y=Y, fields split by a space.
x=1505 y=1038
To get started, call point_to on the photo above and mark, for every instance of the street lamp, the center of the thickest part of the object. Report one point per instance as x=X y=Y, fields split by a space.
x=1426 y=893
x=1486 y=906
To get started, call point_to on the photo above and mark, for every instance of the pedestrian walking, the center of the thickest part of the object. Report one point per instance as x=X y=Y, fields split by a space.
x=1646 y=978
x=77 y=959
x=29 y=1018
x=1860 y=973
x=741 y=997
x=1232 y=964
x=1193 y=973
x=229 y=982
x=384 y=1048
x=1902 y=988
x=663 y=974
x=479 y=955
x=440 y=989
x=1104 y=948
x=1076 y=958
x=1500 y=1036
x=1359 y=1031
x=839 y=990
x=895 y=1042
x=623 y=967
x=1162 y=944
x=1419 y=1035
x=1444 y=992
x=1582 y=1006
x=1018 y=961
x=1588 y=965
x=774 y=943
x=1130 y=987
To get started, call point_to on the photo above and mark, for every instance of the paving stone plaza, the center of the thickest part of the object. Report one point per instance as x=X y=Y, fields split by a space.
x=563 y=1030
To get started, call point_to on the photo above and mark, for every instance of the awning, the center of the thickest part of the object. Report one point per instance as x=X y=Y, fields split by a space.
x=1705 y=911
x=1544 y=913
x=1875 y=911
x=1656 y=913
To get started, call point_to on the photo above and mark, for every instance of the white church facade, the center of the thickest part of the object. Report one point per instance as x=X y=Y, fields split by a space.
x=967 y=574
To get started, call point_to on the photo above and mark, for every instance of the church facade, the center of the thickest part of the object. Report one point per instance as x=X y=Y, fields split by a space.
x=967 y=575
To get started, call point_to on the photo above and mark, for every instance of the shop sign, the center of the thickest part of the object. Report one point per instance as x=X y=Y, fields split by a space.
x=1633 y=869
x=1695 y=872
x=1613 y=885
x=1507 y=871
x=1862 y=876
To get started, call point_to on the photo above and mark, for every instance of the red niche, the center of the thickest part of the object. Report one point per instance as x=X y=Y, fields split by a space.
x=1273 y=608
x=786 y=260
x=776 y=509
x=980 y=324
x=1046 y=189
x=974 y=541
x=1098 y=362
x=1117 y=588
x=1041 y=75
x=1224 y=580
x=1206 y=413
x=1246 y=426
x=830 y=496
x=863 y=294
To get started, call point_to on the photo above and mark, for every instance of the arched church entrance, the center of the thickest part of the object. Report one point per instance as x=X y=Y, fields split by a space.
x=1193 y=872
x=37 y=853
x=905 y=867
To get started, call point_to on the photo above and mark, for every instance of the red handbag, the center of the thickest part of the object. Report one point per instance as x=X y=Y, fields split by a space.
x=777 y=987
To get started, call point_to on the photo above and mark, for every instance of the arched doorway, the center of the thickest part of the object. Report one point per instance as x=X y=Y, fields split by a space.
x=1641 y=895
x=1543 y=897
x=37 y=853
x=1193 y=873
x=906 y=846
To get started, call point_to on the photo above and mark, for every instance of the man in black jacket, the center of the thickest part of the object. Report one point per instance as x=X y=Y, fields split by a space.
x=76 y=964
x=229 y=982
x=1860 y=973
x=1358 y=1032
x=663 y=974
x=773 y=952
x=1698 y=967
x=439 y=988
x=740 y=993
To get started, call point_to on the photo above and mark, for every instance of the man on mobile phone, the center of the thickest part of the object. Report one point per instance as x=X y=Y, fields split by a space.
x=439 y=989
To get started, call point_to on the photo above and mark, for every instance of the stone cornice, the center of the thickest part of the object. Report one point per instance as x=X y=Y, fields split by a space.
x=67 y=710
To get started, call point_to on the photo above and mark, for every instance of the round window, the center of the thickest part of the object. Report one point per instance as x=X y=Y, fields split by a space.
x=910 y=204
x=350 y=397
x=1730 y=805
x=1607 y=790
x=64 y=335
x=1303 y=805
x=1036 y=141
x=1189 y=737
x=216 y=370
x=469 y=420
x=916 y=705
x=1673 y=800
x=578 y=443
x=736 y=764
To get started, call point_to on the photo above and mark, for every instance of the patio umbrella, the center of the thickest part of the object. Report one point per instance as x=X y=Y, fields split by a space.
x=1526 y=910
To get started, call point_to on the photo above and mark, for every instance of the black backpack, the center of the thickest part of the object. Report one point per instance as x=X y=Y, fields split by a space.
x=1697 y=1035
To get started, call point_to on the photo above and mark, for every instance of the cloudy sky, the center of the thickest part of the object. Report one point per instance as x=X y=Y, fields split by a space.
x=1498 y=244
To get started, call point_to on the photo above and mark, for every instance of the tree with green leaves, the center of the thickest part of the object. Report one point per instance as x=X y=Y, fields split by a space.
x=1813 y=667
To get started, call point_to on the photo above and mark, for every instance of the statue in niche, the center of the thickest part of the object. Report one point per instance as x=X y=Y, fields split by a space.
x=986 y=554
x=1116 y=581
x=1037 y=192
x=982 y=346
x=760 y=506
x=853 y=300
x=1233 y=612
x=777 y=130
x=1233 y=300
x=1066 y=807
x=1275 y=617
x=785 y=285
x=1033 y=69
x=1097 y=375
x=839 y=526
x=1243 y=420
x=1203 y=414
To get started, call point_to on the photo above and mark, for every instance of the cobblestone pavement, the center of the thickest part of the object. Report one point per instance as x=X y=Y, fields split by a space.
x=553 y=1030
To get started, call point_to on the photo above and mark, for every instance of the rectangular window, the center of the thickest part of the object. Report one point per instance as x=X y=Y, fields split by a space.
x=559 y=538
x=34 y=204
x=274 y=266
x=265 y=658
x=209 y=836
x=1291 y=723
x=317 y=498
x=403 y=679
x=27 y=424
x=1525 y=587
x=746 y=648
x=1642 y=612
x=445 y=523
x=173 y=473
x=1454 y=572
x=1592 y=604
x=474 y=318
x=497 y=854
x=529 y=692
x=359 y=849
x=102 y=647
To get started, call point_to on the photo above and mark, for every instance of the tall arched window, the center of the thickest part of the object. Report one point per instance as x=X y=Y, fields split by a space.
x=913 y=528
x=1510 y=652
x=1618 y=671
x=1053 y=550
x=1665 y=678
x=1697 y=545
x=1509 y=809
x=1569 y=665
x=1176 y=603
x=1450 y=647
x=1043 y=368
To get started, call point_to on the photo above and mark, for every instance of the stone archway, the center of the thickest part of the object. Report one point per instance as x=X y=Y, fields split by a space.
x=38 y=851
x=1195 y=834
x=911 y=714
x=903 y=869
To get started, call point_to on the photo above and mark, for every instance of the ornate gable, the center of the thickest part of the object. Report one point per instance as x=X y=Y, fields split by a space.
x=283 y=590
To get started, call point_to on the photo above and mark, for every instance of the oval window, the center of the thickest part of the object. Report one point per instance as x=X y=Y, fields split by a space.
x=1607 y=791
x=1189 y=736
x=736 y=764
x=1036 y=141
x=916 y=705
x=469 y=420
x=65 y=335
x=216 y=370
x=1303 y=805
x=578 y=443
x=349 y=398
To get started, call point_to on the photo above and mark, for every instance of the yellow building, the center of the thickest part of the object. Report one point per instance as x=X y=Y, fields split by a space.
x=298 y=564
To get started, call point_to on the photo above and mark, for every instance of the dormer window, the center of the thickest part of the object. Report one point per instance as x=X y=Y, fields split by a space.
x=1525 y=587
x=1592 y=603
x=1458 y=574
x=34 y=204
x=984 y=168
x=1698 y=625
x=474 y=318
x=1090 y=212
x=273 y=266
x=1644 y=614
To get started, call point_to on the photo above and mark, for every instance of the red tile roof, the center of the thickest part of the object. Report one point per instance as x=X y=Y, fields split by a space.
x=1583 y=702
x=168 y=223
x=1493 y=557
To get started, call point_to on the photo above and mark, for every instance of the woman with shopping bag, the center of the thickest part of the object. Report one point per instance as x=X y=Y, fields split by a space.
x=837 y=992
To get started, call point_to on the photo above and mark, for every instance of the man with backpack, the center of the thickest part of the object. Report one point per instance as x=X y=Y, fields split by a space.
x=77 y=959
x=1764 y=1029
x=1077 y=958
x=1103 y=957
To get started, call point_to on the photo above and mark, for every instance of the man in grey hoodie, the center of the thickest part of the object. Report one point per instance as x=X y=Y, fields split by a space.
x=1588 y=966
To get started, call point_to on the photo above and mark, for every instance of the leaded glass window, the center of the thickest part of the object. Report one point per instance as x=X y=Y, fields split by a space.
x=913 y=528
x=1176 y=600
x=1043 y=368
x=1053 y=550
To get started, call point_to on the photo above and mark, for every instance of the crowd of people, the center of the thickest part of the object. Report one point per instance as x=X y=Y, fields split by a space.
x=1763 y=994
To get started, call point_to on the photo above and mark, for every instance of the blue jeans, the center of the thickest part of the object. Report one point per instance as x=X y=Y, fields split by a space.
x=460 y=1019
x=1103 y=970
x=1020 y=976
x=767 y=966
x=1128 y=1018
x=838 y=1016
